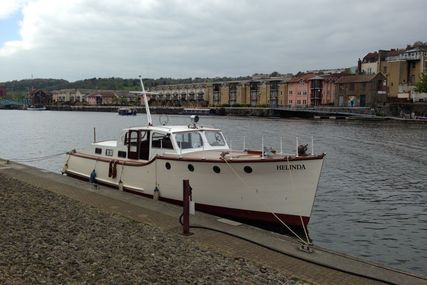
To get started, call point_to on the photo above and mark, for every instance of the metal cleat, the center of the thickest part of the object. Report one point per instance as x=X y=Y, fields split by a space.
x=306 y=248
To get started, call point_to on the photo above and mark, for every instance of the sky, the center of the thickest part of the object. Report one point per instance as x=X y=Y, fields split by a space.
x=79 y=39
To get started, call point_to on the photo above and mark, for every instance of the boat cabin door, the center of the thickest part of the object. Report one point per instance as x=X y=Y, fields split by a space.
x=138 y=144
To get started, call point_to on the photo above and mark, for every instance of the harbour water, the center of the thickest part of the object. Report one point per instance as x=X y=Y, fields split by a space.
x=372 y=196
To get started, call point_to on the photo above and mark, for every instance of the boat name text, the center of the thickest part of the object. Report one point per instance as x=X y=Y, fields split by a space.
x=290 y=167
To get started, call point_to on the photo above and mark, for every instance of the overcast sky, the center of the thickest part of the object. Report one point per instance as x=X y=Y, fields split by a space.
x=78 y=39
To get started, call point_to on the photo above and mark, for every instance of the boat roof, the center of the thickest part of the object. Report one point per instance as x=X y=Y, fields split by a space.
x=110 y=143
x=174 y=129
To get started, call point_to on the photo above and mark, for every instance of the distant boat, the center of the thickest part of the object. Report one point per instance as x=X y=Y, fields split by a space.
x=197 y=111
x=36 y=108
x=127 y=111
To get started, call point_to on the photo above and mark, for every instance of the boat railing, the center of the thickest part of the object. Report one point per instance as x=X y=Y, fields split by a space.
x=274 y=146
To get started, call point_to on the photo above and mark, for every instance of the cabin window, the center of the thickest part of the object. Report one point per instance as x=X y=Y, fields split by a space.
x=121 y=154
x=98 y=150
x=187 y=140
x=109 y=152
x=162 y=141
x=215 y=138
x=133 y=137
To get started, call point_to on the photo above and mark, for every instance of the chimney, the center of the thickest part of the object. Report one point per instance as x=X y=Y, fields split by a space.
x=359 y=66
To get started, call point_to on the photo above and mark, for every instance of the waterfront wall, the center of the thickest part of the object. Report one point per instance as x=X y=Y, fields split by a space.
x=406 y=109
x=221 y=111
x=392 y=109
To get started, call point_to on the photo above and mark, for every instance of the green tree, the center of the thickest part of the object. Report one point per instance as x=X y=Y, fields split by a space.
x=417 y=44
x=421 y=86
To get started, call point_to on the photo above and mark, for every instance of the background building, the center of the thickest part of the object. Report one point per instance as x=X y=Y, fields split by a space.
x=2 y=91
x=403 y=71
x=374 y=62
x=70 y=96
x=256 y=92
x=299 y=90
x=191 y=95
x=401 y=67
x=361 y=90
x=39 y=97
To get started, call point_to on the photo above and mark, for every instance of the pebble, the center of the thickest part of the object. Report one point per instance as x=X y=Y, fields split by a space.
x=51 y=239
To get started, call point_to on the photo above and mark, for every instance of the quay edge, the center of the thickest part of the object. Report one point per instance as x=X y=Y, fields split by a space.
x=305 y=113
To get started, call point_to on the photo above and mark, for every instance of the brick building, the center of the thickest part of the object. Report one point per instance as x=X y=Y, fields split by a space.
x=361 y=90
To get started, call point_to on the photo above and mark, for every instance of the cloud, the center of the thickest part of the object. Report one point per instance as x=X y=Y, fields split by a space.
x=9 y=7
x=78 y=39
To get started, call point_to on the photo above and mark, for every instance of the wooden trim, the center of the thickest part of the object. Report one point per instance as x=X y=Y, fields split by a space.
x=266 y=159
x=107 y=160
x=141 y=163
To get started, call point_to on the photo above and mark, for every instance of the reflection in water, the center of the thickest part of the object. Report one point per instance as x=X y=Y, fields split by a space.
x=372 y=194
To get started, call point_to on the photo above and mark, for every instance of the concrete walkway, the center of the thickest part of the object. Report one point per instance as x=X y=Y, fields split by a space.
x=279 y=252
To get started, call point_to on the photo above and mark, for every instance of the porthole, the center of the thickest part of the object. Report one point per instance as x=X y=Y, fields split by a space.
x=247 y=169
x=216 y=169
x=168 y=165
x=191 y=167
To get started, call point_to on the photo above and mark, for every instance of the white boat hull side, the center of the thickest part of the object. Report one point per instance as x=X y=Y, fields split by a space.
x=282 y=187
x=266 y=189
x=138 y=178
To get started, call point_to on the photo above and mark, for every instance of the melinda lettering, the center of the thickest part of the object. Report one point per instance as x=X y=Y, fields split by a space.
x=291 y=167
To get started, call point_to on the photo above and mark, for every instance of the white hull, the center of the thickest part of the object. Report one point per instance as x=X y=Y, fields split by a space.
x=286 y=187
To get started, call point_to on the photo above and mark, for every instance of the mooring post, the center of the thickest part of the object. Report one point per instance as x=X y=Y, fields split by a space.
x=186 y=205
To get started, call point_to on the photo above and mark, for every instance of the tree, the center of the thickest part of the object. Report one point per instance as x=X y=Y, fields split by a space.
x=421 y=86
x=417 y=44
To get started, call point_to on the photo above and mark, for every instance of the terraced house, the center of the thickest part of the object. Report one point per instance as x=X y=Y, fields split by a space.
x=70 y=96
x=192 y=94
x=264 y=92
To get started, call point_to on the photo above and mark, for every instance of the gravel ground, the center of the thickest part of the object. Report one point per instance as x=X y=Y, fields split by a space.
x=47 y=238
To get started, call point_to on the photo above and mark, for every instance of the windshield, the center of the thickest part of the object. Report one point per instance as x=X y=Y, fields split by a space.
x=187 y=140
x=215 y=138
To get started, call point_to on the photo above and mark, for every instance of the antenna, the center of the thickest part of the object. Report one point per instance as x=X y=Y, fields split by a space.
x=147 y=108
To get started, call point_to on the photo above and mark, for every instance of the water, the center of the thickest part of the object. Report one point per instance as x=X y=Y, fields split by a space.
x=372 y=196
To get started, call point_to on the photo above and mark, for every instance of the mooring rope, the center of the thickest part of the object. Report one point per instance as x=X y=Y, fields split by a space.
x=293 y=185
x=38 y=158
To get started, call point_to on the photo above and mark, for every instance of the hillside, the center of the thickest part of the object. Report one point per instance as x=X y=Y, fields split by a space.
x=18 y=89
x=112 y=83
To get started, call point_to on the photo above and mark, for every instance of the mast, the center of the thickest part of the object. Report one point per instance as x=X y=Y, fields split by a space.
x=147 y=108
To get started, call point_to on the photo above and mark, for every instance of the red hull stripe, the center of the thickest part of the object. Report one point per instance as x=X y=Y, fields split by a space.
x=247 y=215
